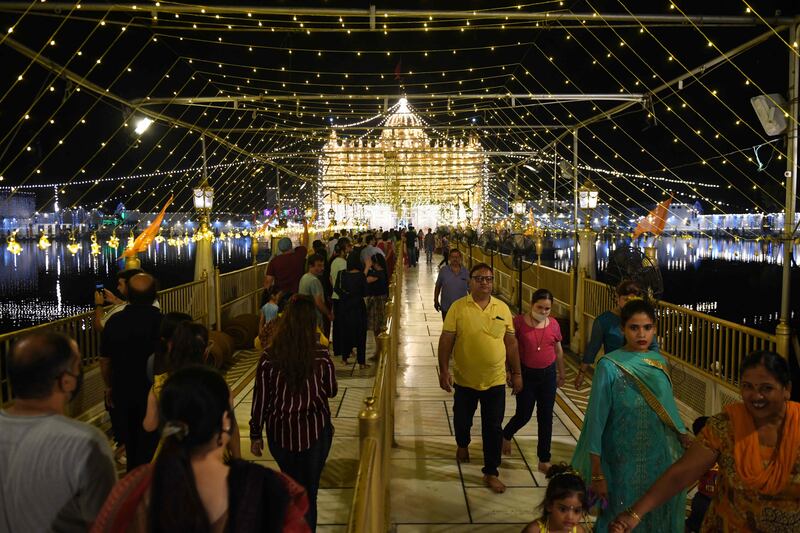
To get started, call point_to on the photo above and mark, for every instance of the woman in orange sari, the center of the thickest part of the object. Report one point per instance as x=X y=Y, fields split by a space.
x=757 y=446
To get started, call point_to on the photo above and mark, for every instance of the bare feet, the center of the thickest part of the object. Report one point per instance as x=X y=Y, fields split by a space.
x=544 y=467
x=494 y=483
x=462 y=455
x=506 y=447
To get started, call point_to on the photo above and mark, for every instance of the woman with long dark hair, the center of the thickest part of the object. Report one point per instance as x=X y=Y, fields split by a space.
x=352 y=314
x=187 y=346
x=294 y=380
x=377 y=294
x=189 y=488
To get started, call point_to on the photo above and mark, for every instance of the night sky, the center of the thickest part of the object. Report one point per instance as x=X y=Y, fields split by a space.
x=702 y=142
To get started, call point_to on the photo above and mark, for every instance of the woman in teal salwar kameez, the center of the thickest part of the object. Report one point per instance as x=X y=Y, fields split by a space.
x=632 y=431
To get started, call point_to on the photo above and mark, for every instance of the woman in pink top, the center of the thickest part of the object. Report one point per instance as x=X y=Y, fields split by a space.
x=539 y=340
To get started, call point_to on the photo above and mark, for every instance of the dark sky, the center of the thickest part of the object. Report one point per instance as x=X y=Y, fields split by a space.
x=703 y=135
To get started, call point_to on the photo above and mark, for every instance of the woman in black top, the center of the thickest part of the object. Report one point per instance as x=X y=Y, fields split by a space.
x=377 y=293
x=352 y=311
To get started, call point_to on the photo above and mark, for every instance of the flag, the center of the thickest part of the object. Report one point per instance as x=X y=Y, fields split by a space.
x=146 y=237
x=397 y=70
x=655 y=220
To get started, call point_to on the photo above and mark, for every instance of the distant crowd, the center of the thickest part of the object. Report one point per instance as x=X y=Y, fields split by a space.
x=175 y=432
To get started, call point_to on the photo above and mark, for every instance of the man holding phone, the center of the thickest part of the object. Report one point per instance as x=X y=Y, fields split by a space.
x=103 y=296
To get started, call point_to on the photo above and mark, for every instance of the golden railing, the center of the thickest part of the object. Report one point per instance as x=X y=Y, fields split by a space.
x=709 y=344
x=370 y=507
x=534 y=276
x=243 y=285
x=191 y=298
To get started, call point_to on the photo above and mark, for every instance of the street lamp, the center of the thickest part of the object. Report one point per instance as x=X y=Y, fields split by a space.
x=587 y=199
x=203 y=197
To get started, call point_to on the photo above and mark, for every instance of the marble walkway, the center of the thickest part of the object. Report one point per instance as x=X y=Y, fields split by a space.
x=429 y=490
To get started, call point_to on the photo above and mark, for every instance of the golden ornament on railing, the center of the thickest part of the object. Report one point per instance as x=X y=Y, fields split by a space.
x=13 y=246
x=222 y=236
x=73 y=245
x=113 y=241
x=202 y=234
x=131 y=240
x=44 y=242
x=237 y=235
x=95 y=245
x=159 y=238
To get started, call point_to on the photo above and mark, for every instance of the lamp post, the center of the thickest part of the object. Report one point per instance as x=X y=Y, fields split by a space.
x=587 y=199
x=203 y=198
x=203 y=202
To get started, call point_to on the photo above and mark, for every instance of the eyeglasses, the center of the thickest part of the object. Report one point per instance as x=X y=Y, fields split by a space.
x=483 y=279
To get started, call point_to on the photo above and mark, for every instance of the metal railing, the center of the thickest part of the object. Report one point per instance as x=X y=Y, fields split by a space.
x=709 y=344
x=245 y=284
x=370 y=507
x=534 y=276
x=191 y=298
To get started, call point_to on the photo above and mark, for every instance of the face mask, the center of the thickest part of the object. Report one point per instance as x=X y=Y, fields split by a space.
x=78 y=383
x=539 y=317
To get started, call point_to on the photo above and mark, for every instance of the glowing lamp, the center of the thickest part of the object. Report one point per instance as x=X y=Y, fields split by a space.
x=142 y=125
x=587 y=196
x=518 y=206
x=203 y=197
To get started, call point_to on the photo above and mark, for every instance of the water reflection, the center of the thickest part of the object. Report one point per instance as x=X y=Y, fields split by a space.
x=43 y=285
x=734 y=279
x=676 y=253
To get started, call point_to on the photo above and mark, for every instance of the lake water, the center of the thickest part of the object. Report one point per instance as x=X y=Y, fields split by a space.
x=43 y=285
x=733 y=279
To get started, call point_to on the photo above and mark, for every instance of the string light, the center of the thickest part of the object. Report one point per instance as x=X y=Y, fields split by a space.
x=12 y=245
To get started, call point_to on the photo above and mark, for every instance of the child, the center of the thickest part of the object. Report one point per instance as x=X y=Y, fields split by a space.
x=565 y=502
x=706 y=486
x=268 y=313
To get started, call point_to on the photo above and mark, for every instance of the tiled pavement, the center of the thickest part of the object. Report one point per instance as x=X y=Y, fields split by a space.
x=338 y=477
x=429 y=490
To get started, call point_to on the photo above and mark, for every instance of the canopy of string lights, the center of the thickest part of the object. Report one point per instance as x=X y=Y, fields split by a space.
x=107 y=102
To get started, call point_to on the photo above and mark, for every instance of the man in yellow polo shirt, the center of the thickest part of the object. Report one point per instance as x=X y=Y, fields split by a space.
x=479 y=332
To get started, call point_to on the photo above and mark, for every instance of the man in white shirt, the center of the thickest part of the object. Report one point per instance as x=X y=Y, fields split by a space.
x=56 y=471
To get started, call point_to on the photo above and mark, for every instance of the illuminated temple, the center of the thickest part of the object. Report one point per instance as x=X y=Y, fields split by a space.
x=405 y=175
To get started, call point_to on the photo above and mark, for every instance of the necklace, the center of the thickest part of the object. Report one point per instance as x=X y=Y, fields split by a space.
x=537 y=338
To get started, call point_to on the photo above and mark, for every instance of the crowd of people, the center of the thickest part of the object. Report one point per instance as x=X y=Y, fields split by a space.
x=634 y=459
x=173 y=421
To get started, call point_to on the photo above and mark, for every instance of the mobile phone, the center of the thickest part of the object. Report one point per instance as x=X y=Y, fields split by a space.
x=99 y=287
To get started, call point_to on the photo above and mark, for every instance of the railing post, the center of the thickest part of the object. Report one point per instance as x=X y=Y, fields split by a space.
x=368 y=423
x=207 y=293
x=577 y=318
x=217 y=300
x=256 y=307
x=783 y=338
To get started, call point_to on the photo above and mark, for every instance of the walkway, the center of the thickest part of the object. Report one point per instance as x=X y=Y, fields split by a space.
x=429 y=490
x=338 y=477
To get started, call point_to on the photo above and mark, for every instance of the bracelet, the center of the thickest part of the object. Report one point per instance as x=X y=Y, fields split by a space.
x=601 y=477
x=516 y=373
x=633 y=514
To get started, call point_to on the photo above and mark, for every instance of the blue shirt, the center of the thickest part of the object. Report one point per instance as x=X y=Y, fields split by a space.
x=270 y=311
x=452 y=285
